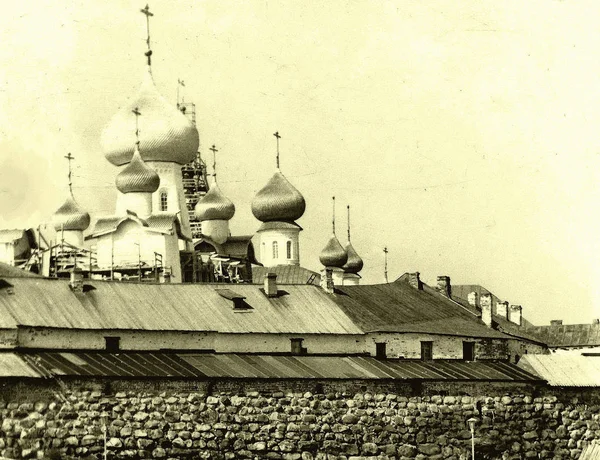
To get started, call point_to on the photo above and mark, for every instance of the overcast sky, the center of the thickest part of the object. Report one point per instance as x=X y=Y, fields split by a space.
x=463 y=134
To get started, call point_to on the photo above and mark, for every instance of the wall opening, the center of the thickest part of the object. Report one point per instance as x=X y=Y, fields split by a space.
x=164 y=201
x=289 y=249
x=112 y=344
x=297 y=348
x=380 y=350
x=469 y=351
x=426 y=351
x=275 y=250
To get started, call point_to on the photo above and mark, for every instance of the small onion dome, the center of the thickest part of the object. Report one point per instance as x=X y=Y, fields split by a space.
x=70 y=216
x=354 y=263
x=167 y=133
x=214 y=205
x=333 y=254
x=278 y=200
x=137 y=176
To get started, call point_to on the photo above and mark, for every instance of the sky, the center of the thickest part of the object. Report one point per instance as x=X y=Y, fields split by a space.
x=463 y=135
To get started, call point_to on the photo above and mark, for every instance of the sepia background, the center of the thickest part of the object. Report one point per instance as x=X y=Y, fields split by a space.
x=464 y=135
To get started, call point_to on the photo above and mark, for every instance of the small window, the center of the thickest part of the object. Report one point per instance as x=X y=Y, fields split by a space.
x=426 y=351
x=289 y=249
x=297 y=348
x=469 y=351
x=112 y=343
x=275 y=250
x=163 y=201
x=380 y=350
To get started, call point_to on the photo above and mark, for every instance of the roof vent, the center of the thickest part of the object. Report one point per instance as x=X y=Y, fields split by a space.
x=239 y=302
x=271 y=285
x=556 y=322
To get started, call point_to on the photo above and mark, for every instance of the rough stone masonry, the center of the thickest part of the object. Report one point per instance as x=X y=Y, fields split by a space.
x=294 y=426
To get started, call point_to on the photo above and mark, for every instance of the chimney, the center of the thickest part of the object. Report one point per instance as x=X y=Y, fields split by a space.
x=502 y=309
x=596 y=321
x=76 y=281
x=415 y=281
x=515 y=314
x=556 y=322
x=443 y=286
x=327 y=280
x=486 y=309
x=473 y=299
x=271 y=285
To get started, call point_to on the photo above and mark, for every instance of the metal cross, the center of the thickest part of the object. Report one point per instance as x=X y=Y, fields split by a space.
x=137 y=113
x=214 y=150
x=69 y=158
x=385 y=272
x=179 y=83
x=348 y=207
x=278 y=137
x=333 y=219
x=148 y=14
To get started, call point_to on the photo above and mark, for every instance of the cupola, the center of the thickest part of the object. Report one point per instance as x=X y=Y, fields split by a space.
x=70 y=217
x=278 y=200
x=333 y=254
x=137 y=176
x=354 y=263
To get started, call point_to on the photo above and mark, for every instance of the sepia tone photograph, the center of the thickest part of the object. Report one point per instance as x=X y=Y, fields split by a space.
x=342 y=230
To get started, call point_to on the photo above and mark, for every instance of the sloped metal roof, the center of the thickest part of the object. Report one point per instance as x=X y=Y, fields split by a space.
x=166 y=307
x=399 y=307
x=564 y=370
x=12 y=365
x=568 y=335
x=591 y=452
x=286 y=274
x=268 y=367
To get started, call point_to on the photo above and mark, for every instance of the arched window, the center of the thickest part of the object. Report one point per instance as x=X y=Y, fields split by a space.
x=289 y=249
x=275 y=250
x=163 y=201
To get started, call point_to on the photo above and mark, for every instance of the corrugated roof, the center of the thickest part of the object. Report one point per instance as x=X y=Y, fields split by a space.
x=12 y=365
x=286 y=274
x=399 y=307
x=160 y=223
x=564 y=370
x=182 y=307
x=568 y=335
x=268 y=367
x=8 y=271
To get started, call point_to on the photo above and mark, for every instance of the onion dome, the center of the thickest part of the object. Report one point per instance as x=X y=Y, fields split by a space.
x=137 y=176
x=333 y=254
x=70 y=216
x=354 y=263
x=214 y=205
x=167 y=133
x=278 y=200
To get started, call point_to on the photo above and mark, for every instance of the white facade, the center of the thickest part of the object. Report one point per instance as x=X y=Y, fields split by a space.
x=170 y=196
x=279 y=246
x=131 y=242
x=216 y=230
x=138 y=202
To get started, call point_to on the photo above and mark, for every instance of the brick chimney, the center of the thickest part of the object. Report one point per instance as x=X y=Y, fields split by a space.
x=443 y=286
x=76 y=282
x=556 y=322
x=502 y=309
x=473 y=299
x=327 y=280
x=415 y=281
x=515 y=314
x=486 y=309
x=271 y=285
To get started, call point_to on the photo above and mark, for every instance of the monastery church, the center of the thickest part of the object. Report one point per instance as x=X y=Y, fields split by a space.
x=164 y=273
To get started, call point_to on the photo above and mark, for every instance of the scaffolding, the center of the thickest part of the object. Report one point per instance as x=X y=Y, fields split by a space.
x=195 y=184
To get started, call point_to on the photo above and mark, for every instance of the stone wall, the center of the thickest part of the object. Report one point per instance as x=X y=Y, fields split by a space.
x=168 y=422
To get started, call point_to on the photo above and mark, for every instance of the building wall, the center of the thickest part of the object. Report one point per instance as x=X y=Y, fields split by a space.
x=281 y=236
x=8 y=338
x=408 y=345
x=281 y=343
x=129 y=340
x=518 y=348
x=171 y=181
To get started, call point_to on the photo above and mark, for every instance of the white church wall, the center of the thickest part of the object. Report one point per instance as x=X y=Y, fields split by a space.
x=270 y=257
x=281 y=343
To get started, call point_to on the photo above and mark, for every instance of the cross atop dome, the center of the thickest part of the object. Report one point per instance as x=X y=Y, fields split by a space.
x=148 y=14
x=278 y=137
x=70 y=158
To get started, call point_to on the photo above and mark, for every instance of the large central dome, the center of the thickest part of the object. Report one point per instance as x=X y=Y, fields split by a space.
x=167 y=134
x=278 y=201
